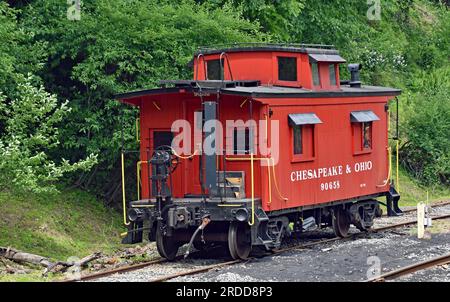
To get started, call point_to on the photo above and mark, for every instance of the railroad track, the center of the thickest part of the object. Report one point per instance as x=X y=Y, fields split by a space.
x=303 y=246
x=433 y=205
x=135 y=267
x=441 y=260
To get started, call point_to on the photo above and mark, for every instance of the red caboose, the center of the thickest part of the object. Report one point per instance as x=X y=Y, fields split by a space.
x=265 y=140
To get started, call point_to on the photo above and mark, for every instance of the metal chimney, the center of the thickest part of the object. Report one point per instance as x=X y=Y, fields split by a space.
x=354 y=72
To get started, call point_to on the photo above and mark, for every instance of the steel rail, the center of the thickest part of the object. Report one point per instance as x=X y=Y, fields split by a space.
x=118 y=270
x=432 y=205
x=410 y=269
x=406 y=223
x=196 y=271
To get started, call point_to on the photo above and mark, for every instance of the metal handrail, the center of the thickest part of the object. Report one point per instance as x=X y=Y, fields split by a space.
x=222 y=71
x=122 y=158
x=263 y=44
x=200 y=55
x=138 y=177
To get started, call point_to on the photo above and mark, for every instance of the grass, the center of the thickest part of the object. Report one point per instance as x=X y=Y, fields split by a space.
x=412 y=192
x=72 y=223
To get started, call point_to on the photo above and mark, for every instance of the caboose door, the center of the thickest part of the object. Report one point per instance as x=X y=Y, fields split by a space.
x=192 y=176
x=161 y=139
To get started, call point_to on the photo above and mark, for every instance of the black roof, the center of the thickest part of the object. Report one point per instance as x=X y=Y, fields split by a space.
x=286 y=92
x=255 y=90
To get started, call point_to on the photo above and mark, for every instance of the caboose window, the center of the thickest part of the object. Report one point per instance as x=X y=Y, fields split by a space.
x=332 y=73
x=213 y=70
x=303 y=137
x=367 y=135
x=315 y=74
x=362 y=125
x=162 y=138
x=287 y=69
x=241 y=141
x=298 y=144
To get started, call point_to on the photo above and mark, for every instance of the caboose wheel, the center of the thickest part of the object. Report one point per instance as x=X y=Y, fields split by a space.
x=341 y=222
x=239 y=240
x=167 y=246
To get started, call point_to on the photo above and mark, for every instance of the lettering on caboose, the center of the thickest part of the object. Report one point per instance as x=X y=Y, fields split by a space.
x=325 y=172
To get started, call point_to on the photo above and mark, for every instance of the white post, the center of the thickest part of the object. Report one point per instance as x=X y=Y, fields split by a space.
x=420 y=220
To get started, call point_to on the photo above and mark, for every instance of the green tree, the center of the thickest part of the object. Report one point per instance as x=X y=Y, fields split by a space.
x=426 y=149
x=18 y=55
x=30 y=132
x=278 y=18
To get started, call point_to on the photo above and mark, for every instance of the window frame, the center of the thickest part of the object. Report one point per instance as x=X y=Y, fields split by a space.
x=358 y=119
x=309 y=143
x=358 y=138
x=274 y=68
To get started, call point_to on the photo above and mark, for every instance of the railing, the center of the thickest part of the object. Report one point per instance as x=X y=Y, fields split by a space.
x=262 y=44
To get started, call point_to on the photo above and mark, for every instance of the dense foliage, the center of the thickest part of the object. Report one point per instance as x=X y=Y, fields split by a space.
x=123 y=45
x=30 y=133
x=426 y=152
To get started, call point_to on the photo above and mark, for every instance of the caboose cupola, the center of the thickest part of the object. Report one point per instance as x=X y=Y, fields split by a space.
x=313 y=67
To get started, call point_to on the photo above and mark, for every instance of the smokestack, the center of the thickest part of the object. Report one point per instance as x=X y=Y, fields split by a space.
x=354 y=72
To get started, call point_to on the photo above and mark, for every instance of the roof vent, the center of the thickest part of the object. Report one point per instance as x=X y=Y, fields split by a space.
x=354 y=72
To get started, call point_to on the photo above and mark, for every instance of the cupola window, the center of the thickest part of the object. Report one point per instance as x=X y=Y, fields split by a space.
x=332 y=72
x=315 y=74
x=287 y=68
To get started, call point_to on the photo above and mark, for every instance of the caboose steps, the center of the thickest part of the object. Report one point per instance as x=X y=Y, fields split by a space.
x=392 y=199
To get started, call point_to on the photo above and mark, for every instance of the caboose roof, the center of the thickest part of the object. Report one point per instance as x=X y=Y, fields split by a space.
x=259 y=47
x=287 y=92
x=242 y=88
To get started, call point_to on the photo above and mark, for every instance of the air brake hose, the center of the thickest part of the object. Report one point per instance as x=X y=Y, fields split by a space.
x=205 y=221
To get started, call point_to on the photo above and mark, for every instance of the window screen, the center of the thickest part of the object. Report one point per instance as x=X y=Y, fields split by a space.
x=213 y=69
x=315 y=74
x=287 y=69
x=332 y=74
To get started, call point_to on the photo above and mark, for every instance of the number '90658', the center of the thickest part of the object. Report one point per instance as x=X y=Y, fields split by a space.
x=331 y=185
